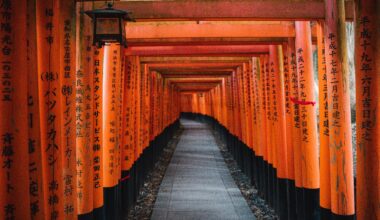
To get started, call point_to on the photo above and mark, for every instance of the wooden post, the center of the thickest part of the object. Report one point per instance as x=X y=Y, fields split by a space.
x=111 y=69
x=341 y=162
x=325 y=197
x=296 y=129
x=84 y=116
x=67 y=42
x=367 y=57
x=289 y=136
x=270 y=138
x=50 y=106
x=278 y=118
x=255 y=106
x=34 y=137
x=97 y=85
x=14 y=130
x=308 y=119
x=262 y=127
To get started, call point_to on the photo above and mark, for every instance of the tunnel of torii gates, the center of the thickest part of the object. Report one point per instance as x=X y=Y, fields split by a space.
x=81 y=126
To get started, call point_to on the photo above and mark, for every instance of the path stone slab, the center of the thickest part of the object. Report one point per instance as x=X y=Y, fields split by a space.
x=197 y=183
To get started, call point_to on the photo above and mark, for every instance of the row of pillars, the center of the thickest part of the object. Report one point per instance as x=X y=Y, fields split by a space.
x=75 y=119
x=269 y=104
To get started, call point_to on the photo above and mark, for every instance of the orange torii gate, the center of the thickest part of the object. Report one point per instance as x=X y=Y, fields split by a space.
x=81 y=126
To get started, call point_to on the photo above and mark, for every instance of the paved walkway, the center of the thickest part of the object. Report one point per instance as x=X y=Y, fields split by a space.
x=197 y=183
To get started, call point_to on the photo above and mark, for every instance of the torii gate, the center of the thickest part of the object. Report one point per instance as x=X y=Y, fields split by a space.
x=79 y=124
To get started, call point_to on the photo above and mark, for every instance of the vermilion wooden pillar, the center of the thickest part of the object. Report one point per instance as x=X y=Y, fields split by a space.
x=236 y=105
x=367 y=57
x=255 y=105
x=67 y=57
x=127 y=150
x=84 y=117
x=289 y=137
x=97 y=85
x=110 y=126
x=262 y=127
x=308 y=120
x=137 y=106
x=341 y=162
x=50 y=106
x=230 y=115
x=325 y=197
x=14 y=173
x=34 y=137
x=296 y=129
x=272 y=137
x=224 y=98
x=278 y=93
x=147 y=107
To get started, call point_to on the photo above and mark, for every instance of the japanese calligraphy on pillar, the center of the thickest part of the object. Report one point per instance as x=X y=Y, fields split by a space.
x=67 y=79
x=302 y=94
x=333 y=83
x=273 y=74
x=286 y=82
x=367 y=57
x=84 y=115
x=14 y=109
x=137 y=106
x=340 y=142
x=113 y=162
x=50 y=105
x=127 y=144
x=367 y=107
x=262 y=104
x=119 y=86
x=111 y=151
x=294 y=84
x=268 y=90
x=97 y=127
x=323 y=92
x=6 y=54
x=34 y=138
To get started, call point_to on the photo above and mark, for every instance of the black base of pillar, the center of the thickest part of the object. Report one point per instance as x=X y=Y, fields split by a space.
x=283 y=198
x=325 y=213
x=311 y=197
x=300 y=204
x=342 y=217
x=99 y=213
x=124 y=183
x=292 y=211
x=275 y=191
x=111 y=202
x=270 y=185
x=266 y=181
x=261 y=176
x=96 y=214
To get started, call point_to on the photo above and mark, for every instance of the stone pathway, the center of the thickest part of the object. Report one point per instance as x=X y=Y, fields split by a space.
x=197 y=183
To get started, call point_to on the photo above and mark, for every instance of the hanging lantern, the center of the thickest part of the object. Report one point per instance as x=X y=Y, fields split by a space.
x=108 y=25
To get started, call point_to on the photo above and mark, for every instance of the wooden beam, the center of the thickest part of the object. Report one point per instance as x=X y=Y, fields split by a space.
x=168 y=30
x=198 y=75
x=194 y=59
x=198 y=41
x=202 y=65
x=195 y=80
x=227 y=9
x=191 y=91
x=197 y=50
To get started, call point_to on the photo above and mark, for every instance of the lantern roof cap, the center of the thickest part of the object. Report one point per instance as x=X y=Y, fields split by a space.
x=109 y=12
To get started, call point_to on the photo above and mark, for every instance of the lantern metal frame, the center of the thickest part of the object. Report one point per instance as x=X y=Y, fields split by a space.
x=109 y=13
